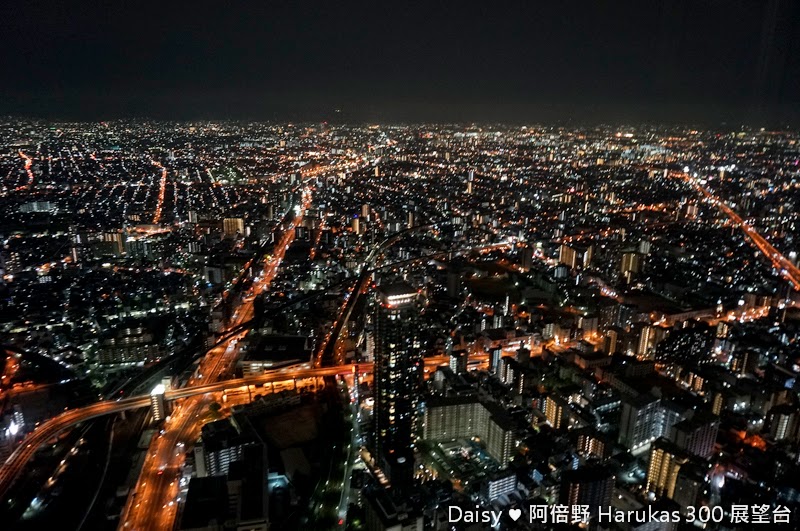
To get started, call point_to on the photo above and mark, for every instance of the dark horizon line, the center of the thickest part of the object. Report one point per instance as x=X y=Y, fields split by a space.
x=722 y=125
x=405 y=112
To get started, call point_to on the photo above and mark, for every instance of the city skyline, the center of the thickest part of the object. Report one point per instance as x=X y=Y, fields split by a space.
x=359 y=327
x=400 y=267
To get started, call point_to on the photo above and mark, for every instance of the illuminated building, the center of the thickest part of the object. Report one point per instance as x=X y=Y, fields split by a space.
x=38 y=206
x=140 y=248
x=644 y=419
x=499 y=484
x=158 y=406
x=594 y=444
x=453 y=418
x=666 y=460
x=743 y=360
x=232 y=226
x=612 y=340
x=495 y=361
x=630 y=265
x=398 y=362
x=458 y=361
x=696 y=435
x=128 y=346
x=112 y=243
x=689 y=346
x=499 y=439
x=784 y=422
x=631 y=262
x=13 y=264
x=556 y=410
x=17 y=420
x=649 y=337
x=575 y=256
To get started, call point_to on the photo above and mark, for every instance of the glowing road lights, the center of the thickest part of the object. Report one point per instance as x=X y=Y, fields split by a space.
x=161 y=192
x=784 y=267
x=28 y=164
x=186 y=417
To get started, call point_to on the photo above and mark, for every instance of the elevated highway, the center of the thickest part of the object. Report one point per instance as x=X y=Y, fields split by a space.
x=50 y=429
x=15 y=464
x=782 y=264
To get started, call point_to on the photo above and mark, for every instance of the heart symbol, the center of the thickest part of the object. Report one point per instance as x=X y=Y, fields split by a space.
x=515 y=514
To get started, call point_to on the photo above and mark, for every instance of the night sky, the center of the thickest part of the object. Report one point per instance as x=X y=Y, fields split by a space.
x=614 y=60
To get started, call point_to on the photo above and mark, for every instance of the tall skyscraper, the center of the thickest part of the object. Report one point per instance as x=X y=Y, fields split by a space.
x=398 y=366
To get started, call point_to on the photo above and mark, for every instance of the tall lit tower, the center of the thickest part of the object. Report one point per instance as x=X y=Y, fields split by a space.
x=398 y=370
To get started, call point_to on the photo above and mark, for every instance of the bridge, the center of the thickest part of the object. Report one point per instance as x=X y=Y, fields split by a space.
x=48 y=430
x=15 y=464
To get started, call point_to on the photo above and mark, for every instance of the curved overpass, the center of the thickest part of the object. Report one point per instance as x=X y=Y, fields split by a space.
x=16 y=462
